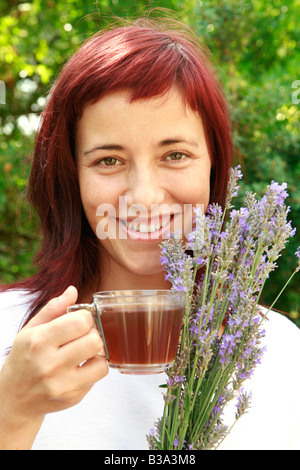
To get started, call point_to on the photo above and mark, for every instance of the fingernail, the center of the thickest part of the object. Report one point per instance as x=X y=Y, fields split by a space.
x=65 y=292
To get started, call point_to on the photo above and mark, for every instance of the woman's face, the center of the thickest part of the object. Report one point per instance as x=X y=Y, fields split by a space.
x=142 y=165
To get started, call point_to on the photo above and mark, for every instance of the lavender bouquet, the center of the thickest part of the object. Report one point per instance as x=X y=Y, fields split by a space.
x=221 y=335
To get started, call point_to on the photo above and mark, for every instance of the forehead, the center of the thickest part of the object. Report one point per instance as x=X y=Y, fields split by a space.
x=117 y=112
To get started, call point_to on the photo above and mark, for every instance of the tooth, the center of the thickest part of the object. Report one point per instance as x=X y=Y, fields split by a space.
x=165 y=222
x=133 y=226
x=143 y=228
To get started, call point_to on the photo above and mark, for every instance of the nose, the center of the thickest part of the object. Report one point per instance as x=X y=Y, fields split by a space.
x=144 y=187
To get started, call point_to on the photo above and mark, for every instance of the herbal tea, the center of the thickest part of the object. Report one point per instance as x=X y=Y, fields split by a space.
x=140 y=336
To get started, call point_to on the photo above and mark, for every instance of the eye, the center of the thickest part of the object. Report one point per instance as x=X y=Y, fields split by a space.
x=109 y=161
x=176 y=156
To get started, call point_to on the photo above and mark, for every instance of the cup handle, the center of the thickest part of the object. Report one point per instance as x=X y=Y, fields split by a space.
x=91 y=308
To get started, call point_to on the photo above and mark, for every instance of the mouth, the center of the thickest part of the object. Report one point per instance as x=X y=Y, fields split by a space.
x=147 y=229
x=144 y=227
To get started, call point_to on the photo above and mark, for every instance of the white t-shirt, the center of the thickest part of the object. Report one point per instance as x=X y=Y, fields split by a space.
x=121 y=409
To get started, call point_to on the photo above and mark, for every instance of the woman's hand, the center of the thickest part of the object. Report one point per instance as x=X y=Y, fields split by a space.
x=54 y=362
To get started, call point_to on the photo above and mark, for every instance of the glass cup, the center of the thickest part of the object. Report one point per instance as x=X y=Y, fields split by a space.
x=140 y=328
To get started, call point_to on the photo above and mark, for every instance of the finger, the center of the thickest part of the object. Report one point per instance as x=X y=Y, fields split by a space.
x=67 y=328
x=54 y=308
x=82 y=349
x=69 y=388
x=91 y=372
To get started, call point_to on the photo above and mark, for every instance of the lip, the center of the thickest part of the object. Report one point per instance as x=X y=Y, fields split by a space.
x=147 y=220
x=162 y=232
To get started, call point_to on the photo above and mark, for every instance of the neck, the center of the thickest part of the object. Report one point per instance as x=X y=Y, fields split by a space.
x=141 y=282
x=115 y=277
x=133 y=281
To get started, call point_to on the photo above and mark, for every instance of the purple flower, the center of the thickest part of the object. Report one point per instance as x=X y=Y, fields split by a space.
x=216 y=409
x=180 y=265
x=226 y=348
x=280 y=192
x=243 y=403
x=180 y=288
x=297 y=253
x=242 y=215
x=163 y=260
x=178 y=284
x=194 y=329
x=238 y=254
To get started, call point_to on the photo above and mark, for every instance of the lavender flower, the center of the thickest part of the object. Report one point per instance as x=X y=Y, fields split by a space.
x=243 y=403
x=233 y=187
x=233 y=253
x=297 y=253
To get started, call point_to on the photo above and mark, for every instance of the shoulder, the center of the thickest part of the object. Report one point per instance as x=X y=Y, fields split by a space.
x=14 y=301
x=281 y=332
x=282 y=343
x=14 y=305
x=272 y=422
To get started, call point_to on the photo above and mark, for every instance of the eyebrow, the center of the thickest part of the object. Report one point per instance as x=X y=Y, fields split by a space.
x=163 y=143
x=105 y=147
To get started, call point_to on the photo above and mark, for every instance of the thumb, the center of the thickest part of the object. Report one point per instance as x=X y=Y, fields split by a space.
x=55 y=308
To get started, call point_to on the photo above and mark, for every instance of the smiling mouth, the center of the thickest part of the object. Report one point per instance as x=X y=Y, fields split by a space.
x=146 y=227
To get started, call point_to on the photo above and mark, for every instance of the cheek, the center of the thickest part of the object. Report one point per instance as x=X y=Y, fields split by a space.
x=89 y=199
x=195 y=190
x=88 y=194
x=94 y=192
x=99 y=200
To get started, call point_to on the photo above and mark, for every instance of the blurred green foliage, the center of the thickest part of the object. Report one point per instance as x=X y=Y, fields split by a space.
x=256 y=45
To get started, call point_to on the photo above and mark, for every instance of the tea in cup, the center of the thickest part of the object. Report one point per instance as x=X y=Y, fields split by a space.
x=140 y=328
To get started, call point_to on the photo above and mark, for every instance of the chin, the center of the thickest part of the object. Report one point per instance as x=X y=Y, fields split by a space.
x=145 y=269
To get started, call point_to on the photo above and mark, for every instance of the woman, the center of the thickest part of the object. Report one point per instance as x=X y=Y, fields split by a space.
x=137 y=113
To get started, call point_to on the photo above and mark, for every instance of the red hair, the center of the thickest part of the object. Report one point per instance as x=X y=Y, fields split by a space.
x=148 y=58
